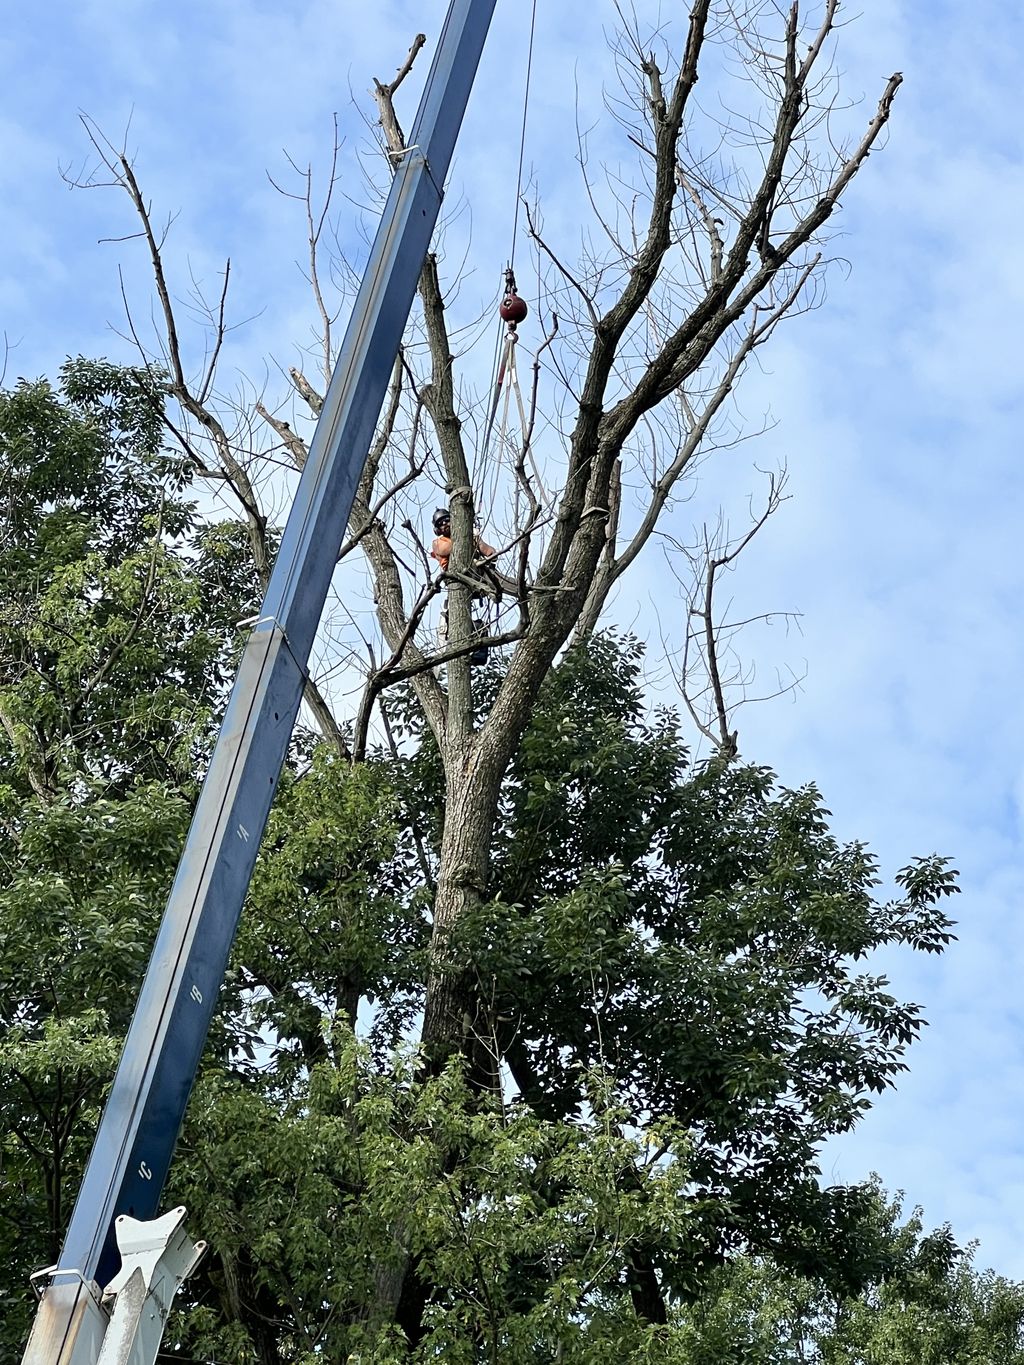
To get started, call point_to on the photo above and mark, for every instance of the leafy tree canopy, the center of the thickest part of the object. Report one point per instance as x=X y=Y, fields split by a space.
x=674 y=960
x=674 y=957
x=117 y=636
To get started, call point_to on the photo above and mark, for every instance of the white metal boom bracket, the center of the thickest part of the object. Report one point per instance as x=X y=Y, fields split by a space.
x=127 y=1325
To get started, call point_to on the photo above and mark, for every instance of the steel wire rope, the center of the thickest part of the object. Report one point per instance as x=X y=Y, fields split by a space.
x=522 y=133
x=501 y=346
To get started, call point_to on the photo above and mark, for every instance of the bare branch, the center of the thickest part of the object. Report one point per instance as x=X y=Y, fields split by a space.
x=290 y=438
x=123 y=173
x=711 y=223
x=306 y=391
x=384 y=93
x=219 y=333
x=406 y=66
x=564 y=271
x=701 y=606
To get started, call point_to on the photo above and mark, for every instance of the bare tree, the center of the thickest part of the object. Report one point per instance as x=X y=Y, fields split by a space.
x=715 y=240
x=704 y=253
x=703 y=265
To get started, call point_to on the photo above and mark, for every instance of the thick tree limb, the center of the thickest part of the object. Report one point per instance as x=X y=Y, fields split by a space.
x=290 y=439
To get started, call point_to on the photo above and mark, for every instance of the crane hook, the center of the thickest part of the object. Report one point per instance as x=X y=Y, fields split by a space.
x=512 y=308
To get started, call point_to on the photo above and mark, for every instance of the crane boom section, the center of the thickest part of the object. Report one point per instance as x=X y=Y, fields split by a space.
x=140 y=1124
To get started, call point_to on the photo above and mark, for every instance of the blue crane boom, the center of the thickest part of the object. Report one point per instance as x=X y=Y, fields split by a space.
x=143 y=1115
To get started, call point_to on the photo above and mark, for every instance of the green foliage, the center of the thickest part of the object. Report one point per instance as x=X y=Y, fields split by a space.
x=700 y=934
x=927 y=1305
x=674 y=967
x=674 y=973
x=116 y=637
x=83 y=465
x=117 y=610
x=529 y=1224
x=933 y=1306
x=331 y=919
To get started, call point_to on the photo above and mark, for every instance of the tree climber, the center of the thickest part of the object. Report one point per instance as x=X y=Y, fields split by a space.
x=487 y=582
x=441 y=549
x=491 y=582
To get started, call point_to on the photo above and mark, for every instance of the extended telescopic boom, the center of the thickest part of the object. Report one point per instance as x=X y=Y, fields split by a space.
x=143 y=1115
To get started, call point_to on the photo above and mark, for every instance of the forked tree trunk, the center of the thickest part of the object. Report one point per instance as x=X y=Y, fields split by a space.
x=451 y=1013
x=450 y=1023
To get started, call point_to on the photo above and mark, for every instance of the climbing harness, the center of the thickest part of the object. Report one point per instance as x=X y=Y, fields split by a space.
x=479 y=633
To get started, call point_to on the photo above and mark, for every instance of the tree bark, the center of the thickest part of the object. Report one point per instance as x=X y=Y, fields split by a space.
x=471 y=799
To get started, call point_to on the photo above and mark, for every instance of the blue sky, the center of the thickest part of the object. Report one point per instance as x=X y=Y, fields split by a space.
x=897 y=408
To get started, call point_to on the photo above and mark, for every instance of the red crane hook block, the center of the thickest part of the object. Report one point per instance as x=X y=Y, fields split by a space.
x=512 y=308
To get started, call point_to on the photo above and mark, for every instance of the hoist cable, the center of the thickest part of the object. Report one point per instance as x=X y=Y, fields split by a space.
x=480 y=458
x=522 y=133
x=504 y=351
